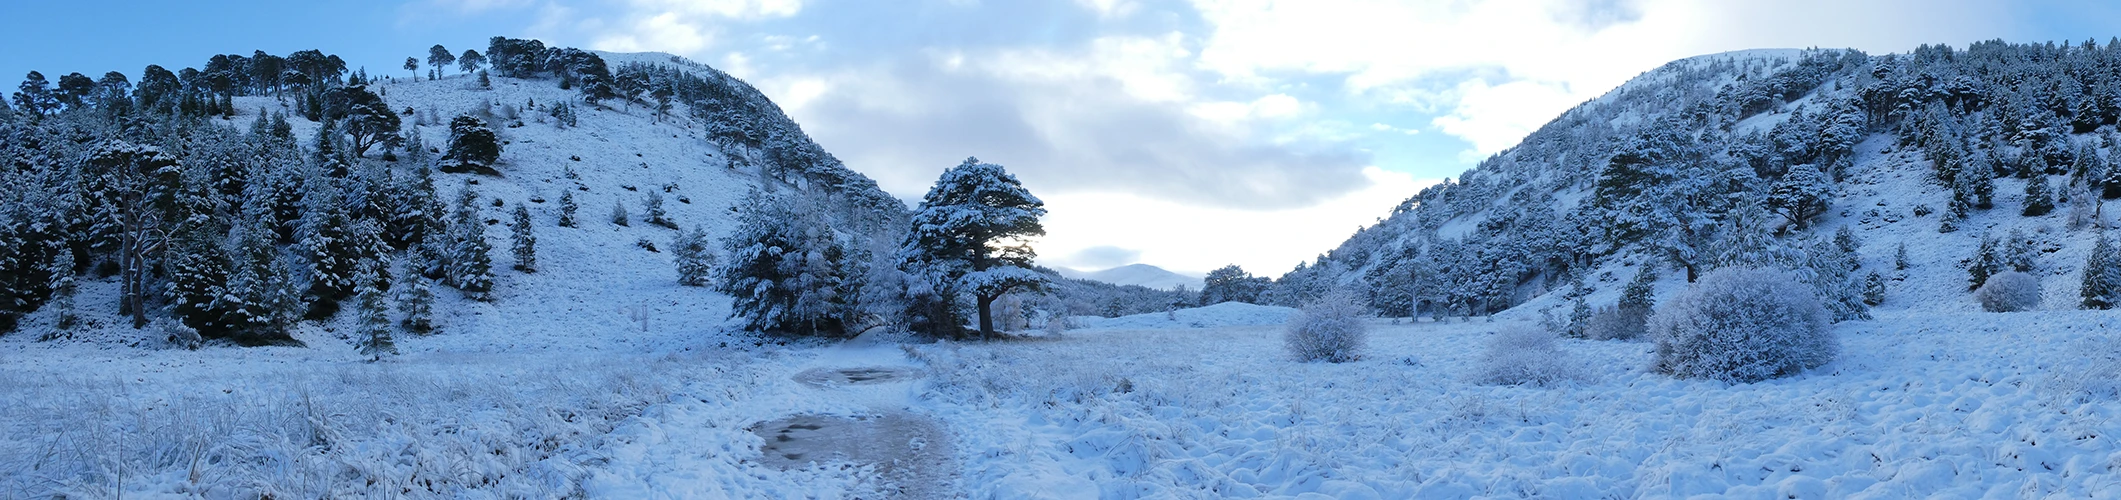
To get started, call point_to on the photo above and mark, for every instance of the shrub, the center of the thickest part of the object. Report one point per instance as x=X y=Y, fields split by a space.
x=2011 y=291
x=1742 y=325
x=1329 y=329
x=1525 y=355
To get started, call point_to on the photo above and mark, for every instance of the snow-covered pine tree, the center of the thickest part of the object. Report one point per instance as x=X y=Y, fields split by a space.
x=694 y=256
x=1845 y=239
x=468 y=261
x=1829 y=271
x=1801 y=194
x=652 y=210
x=1637 y=295
x=522 y=242
x=473 y=147
x=1873 y=289
x=416 y=147
x=2018 y=252
x=780 y=269
x=567 y=209
x=1580 y=313
x=2039 y=197
x=1986 y=262
x=618 y=213
x=373 y=330
x=331 y=247
x=63 y=288
x=1900 y=262
x=417 y=214
x=967 y=238
x=563 y=115
x=417 y=302
x=2101 y=282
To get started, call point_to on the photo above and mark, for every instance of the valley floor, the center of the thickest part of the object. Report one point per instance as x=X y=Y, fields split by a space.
x=1919 y=404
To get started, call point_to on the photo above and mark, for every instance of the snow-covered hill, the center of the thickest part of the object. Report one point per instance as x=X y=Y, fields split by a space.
x=1137 y=274
x=1651 y=174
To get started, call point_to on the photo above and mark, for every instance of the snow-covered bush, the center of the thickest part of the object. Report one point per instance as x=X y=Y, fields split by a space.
x=2011 y=291
x=1330 y=329
x=1526 y=355
x=1742 y=325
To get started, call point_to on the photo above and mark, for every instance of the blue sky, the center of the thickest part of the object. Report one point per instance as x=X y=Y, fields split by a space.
x=1186 y=134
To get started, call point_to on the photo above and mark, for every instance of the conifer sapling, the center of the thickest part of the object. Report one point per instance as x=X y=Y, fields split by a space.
x=522 y=242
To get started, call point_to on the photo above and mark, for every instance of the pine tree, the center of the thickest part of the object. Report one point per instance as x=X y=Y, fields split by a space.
x=652 y=210
x=782 y=270
x=1580 y=314
x=2101 y=285
x=440 y=58
x=618 y=212
x=417 y=214
x=374 y=327
x=467 y=261
x=417 y=303
x=567 y=209
x=415 y=147
x=1801 y=194
x=1985 y=263
x=522 y=242
x=2018 y=252
x=1873 y=289
x=1846 y=240
x=967 y=238
x=63 y=288
x=473 y=147
x=1636 y=296
x=1828 y=270
x=1900 y=262
x=2039 y=197
x=694 y=256
x=471 y=61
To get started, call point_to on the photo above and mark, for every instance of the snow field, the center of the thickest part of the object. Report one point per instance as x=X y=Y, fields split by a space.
x=1953 y=405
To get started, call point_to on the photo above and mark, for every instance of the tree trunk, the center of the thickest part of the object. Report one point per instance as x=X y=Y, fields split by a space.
x=986 y=317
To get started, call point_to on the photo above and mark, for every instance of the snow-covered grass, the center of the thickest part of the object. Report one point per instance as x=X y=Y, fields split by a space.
x=1952 y=405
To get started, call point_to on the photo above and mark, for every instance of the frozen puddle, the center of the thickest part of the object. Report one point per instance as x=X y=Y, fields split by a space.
x=828 y=377
x=910 y=453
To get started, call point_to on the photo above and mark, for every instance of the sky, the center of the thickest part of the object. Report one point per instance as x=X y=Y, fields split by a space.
x=1183 y=134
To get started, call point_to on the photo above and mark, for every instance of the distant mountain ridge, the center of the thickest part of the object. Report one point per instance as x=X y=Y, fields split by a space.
x=1143 y=275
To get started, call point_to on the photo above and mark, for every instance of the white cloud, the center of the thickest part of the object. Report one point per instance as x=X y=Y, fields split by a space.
x=731 y=9
x=1191 y=238
x=666 y=32
x=1149 y=68
x=1380 y=127
x=1495 y=117
x=1232 y=112
x=1111 y=8
x=1553 y=53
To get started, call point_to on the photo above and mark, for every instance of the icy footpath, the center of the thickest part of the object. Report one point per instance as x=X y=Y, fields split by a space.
x=823 y=423
x=1920 y=405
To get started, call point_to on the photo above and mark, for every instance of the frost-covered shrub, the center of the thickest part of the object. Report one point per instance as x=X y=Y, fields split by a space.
x=1329 y=329
x=1742 y=325
x=2011 y=291
x=1526 y=355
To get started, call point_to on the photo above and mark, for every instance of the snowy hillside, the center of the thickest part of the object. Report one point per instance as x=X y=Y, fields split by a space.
x=1138 y=275
x=1761 y=158
x=1476 y=333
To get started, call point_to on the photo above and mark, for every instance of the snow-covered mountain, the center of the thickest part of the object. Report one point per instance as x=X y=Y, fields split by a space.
x=1902 y=163
x=1137 y=274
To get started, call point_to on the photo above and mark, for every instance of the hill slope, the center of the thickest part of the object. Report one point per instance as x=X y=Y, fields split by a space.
x=1764 y=158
